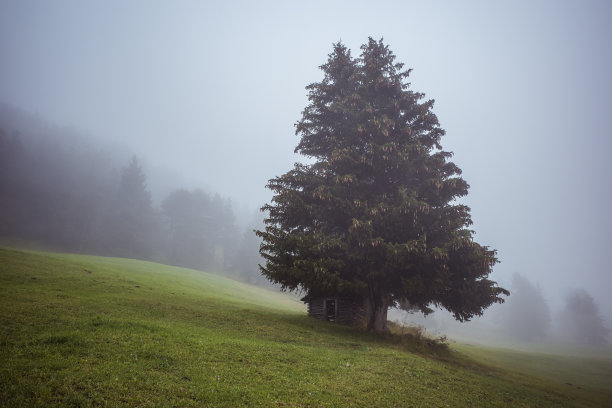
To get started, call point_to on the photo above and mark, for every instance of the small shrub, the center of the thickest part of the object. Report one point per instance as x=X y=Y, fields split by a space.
x=416 y=339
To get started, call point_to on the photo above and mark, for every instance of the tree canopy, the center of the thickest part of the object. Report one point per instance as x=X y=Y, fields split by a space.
x=374 y=216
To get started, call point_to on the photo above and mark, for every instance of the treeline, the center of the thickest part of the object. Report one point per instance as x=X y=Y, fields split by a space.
x=526 y=317
x=61 y=190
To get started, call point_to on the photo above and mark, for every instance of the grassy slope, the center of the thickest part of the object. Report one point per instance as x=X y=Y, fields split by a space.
x=587 y=373
x=92 y=331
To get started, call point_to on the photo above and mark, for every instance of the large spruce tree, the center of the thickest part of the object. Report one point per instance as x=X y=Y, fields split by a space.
x=374 y=216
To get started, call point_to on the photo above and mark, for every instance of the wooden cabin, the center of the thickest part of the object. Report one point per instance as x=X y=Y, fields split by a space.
x=335 y=309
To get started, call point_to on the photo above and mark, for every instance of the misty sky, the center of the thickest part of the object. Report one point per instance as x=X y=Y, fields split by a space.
x=212 y=90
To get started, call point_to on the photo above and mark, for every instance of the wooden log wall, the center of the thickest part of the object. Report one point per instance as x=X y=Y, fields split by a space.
x=347 y=311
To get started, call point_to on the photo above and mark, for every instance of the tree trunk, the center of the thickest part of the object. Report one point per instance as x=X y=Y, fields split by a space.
x=376 y=314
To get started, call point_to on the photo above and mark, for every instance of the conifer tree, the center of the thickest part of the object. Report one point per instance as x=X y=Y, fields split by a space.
x=374 y=216
x=581 y=322
x=132 y=225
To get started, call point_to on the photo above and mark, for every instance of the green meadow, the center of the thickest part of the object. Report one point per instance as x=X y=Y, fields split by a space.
x=85 y=331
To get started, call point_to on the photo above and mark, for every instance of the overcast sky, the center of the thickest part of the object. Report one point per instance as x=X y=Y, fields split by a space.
x=212 y=90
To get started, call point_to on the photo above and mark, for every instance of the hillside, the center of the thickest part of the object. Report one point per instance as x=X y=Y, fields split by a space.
x=93 y=331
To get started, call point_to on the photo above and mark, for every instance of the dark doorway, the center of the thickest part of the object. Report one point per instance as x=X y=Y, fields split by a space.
x=330 y=310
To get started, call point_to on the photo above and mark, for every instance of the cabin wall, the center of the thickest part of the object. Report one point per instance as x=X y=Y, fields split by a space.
x=347 y=311
x=316 y=308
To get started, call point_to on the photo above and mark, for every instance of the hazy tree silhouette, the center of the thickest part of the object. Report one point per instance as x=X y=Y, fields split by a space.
x=50 y=191
x=247 y=257
x=189 y=226
x=201 y=231
x=13 y=186
x=580 y=321
x=226 y=236
x=131 y=229
x=526 y=314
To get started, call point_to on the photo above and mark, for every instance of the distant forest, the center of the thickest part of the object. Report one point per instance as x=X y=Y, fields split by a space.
x=60 y=190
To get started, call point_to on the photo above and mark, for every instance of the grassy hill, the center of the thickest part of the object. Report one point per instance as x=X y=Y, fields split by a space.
x=92 y=331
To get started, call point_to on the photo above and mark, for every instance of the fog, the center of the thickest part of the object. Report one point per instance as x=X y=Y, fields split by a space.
x=206 y=94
